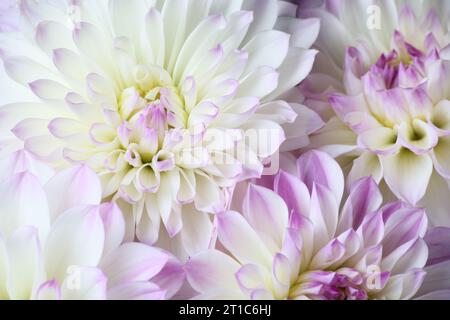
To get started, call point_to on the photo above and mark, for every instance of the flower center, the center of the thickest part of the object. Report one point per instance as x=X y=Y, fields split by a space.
x=344 y=284
x=149 y=112
x=400 y=69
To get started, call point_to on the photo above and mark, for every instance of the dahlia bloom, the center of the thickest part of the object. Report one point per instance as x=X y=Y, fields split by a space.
x=157 y=96
x=384 y=70
x=69 y=246
x=291 y=242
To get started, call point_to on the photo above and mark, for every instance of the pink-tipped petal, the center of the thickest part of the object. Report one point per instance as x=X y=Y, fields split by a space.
x=81 y=187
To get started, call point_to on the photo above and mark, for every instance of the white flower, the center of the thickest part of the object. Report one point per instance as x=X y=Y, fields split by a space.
x=58 y=242
x=157 y=96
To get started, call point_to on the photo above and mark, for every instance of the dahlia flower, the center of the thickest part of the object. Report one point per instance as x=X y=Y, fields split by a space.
x=157 y=96
x=58 y=242
x=384 y=70
x=292 y=243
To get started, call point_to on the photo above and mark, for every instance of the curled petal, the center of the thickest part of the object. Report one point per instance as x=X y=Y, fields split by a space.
x=404 y=170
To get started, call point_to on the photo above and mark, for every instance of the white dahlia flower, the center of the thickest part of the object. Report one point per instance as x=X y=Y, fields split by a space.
x=162 y=99
x=58 y=242
x=382 y=82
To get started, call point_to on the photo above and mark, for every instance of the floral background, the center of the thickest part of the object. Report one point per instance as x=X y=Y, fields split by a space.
x=225 y=149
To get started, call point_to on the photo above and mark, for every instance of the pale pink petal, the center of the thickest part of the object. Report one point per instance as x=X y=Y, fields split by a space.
x=49 y=290
x=251 y=277
x=404 y=286
x=114 y=224
x=21 y=161
x=294 y=193
x=316 y=167
x=171 y=278
x=81 y=187
x=210 y=270
x=76 y=239
x=402 y=226
x=241 y=240
x=133 y=262
x=323 y=214
x=267 y=213
x=364 y=198
x=24 y=203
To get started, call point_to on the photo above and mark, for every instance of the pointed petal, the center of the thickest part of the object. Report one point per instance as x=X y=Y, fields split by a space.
x=81 y=187
x=133 y=262
x=114 y=225
x=267 y=213
x=76 y=239
x=241 y=240
x=316 y=167
x=364 y=198
x=26 y=265
x=212 y=269
x=24 y=203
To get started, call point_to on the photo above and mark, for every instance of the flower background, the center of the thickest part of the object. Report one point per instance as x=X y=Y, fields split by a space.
x=214 y=149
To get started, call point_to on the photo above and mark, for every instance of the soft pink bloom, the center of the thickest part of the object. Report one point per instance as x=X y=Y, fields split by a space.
x=382 y=83
x=292 y=241
x=58 y=242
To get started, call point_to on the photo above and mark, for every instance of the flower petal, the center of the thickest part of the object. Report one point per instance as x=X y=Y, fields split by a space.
x=49 y=290
x=81 y=187
x=212 y=269
x=407 y=174
x=364 y=198
x=114 y=225
x=24 y=204
x=133 y=262
x=316 y=167
x=197 y=232
x=26 y=270
x=241 y=240
x=76 y=239
x=267 y=213
x=438 y=240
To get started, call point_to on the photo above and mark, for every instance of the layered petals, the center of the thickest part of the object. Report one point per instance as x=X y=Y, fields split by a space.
x=172 y=107
x=365 y=252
